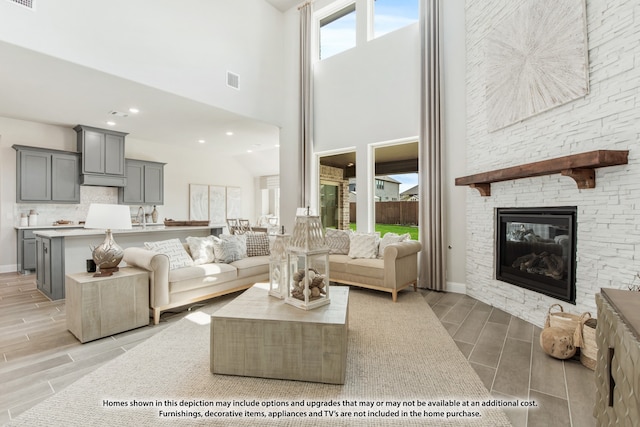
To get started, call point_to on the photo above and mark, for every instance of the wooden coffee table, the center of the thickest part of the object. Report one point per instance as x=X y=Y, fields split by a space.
x=257 y=335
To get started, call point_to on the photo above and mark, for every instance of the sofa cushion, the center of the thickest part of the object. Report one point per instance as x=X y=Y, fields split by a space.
x=173 y=248
x=390 y=238
x=201 y=249
x=187 y=278
x=366 y=267
x=363 y=245
x=257 y=244
x=337 y=240
x=252 y=266
x=239 y=239
x=226 y=251
x=338 y=263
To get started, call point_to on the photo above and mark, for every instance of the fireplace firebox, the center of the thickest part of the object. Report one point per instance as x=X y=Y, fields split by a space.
x=536 y=250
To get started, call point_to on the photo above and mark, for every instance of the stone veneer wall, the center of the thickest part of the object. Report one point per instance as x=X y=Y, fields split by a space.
x=608 y=231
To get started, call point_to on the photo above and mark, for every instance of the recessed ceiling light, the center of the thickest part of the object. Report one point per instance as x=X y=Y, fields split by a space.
x=249 y=151
x=134 y=110
x=277 y=145
x=201 y=141
x=229 y=133
x=110 y=123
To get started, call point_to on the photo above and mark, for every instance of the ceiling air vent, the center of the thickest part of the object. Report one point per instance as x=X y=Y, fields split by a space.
x=233 y=80
x=28 y=4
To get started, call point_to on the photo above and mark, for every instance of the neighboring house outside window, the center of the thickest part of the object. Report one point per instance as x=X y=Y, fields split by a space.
x=387 y=189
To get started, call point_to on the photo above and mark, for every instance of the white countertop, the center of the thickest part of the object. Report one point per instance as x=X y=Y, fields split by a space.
x=62 y=231
x=40 y=227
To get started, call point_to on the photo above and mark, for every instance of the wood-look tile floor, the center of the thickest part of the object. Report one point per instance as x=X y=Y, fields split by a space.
x=40 y=357
x=506 y=354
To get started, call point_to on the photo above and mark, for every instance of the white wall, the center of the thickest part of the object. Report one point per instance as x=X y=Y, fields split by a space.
x=183 y=167
x=183 y=47
x=608 y=229
x=371 y=94
x=368 y=95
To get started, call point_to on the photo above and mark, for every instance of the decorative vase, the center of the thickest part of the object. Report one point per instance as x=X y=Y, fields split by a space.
x=154 y=214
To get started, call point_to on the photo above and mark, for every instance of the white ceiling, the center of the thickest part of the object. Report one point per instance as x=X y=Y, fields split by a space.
x=40 y=88
x=284 y=5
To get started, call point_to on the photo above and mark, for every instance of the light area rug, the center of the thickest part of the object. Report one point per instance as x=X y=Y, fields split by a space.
x=400 y=359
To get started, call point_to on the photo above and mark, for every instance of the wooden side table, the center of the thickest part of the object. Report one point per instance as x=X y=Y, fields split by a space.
x=97 y=307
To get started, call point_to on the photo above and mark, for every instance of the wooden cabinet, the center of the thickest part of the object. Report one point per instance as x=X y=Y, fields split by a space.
x=50 y=266
x=26 y=250
x=618 y=339
x=145 y=183
x=47 y=176
x=102 y=156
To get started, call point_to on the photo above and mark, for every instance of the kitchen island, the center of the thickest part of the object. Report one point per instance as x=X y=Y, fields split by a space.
x=66 y=250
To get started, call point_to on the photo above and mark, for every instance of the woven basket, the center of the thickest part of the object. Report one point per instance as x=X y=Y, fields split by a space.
x=567 y=321
x=589 y=346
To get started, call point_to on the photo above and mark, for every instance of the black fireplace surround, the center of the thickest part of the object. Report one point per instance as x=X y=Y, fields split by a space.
x=536 y=250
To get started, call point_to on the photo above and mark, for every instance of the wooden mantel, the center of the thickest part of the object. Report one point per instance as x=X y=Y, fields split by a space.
x=581 y=167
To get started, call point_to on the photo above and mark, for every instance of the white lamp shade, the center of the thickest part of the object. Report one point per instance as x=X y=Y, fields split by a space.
x=108 y=217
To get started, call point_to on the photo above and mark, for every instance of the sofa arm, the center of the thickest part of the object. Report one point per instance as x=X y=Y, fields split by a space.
x=158 y=267
x=401 y=263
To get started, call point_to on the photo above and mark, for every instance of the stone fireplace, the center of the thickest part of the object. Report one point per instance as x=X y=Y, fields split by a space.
x=536 y=250
x=607 y=225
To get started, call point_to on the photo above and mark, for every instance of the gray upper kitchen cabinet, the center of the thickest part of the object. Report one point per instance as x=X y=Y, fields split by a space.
x=102 y=156
x=145 y=183
x=47 y=176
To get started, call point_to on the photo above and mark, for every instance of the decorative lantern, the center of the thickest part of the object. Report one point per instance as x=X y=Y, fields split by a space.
x=308 y=260
x=278 y=266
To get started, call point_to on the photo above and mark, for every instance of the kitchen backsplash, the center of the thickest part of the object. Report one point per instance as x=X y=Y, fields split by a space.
x=50 y=213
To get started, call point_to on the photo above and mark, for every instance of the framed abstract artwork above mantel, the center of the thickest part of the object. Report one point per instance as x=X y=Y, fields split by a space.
x=536 y=60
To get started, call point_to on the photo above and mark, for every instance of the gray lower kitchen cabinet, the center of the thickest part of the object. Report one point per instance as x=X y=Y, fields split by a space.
x=47 y=176
x=26 y=250
x=50 y=266
x=145 y=183
x=102 y=156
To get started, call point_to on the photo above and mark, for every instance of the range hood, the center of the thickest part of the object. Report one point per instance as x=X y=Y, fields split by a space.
x=102 y=156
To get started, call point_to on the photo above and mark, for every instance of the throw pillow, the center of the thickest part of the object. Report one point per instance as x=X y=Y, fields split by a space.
x=239 y=239
x=390 y=238
x=227 y=251
x=173 y=248
x=257 y=244
x=337 y=241
x=363 y=245
x=201 y=249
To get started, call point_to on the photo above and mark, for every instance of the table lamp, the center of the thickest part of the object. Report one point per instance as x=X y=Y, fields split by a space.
x=108 y=255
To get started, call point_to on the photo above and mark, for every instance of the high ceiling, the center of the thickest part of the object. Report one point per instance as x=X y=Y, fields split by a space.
x=40 y=88
x=284 y=5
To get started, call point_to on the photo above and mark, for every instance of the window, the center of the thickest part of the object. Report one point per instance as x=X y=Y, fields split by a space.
x=390 y=15
x=379 y=184
x=338 y=31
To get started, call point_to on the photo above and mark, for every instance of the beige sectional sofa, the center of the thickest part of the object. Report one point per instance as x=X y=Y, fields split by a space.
x=185 y=285
x=172 y=285
x=396 y=270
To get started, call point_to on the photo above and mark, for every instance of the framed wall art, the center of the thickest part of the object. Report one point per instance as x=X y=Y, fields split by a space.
x=536 y=60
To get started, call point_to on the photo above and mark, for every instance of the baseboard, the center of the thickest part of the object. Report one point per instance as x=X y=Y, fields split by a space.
x=458 y=288
x=9 y=268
